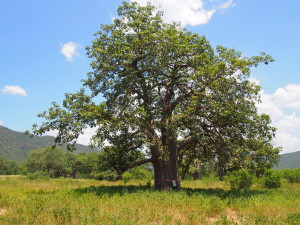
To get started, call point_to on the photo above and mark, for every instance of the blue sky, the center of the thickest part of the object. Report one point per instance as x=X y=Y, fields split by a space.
x=42 y=51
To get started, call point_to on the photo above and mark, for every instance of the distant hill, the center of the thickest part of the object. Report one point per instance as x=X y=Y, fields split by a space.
x=16 y=145
x=289 y=160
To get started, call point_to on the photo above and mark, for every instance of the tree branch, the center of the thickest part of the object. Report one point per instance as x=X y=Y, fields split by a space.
x=143 y=161
x=185 y=142
x=134 y=147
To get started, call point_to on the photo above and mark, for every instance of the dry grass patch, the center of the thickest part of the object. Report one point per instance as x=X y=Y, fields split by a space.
x=2 y=211
x=230 y=216
x=233 y=216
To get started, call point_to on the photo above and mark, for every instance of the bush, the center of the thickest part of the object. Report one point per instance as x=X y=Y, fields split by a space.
x=240 y=179
x=292 y=175
x=271 y=179
x=127 y=177
x=38 y=175
x=8 y=167
x=105 y=175
x=140 y=174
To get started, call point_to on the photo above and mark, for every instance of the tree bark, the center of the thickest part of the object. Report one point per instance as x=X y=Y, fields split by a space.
x=74 y=175
x=166 y=174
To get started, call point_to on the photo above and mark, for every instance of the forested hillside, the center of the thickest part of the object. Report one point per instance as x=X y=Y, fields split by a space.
x=289 y=161
x=15 y=145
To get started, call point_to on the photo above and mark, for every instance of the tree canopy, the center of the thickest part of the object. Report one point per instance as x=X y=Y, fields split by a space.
x=167 y=93
x=48 y=159
x=8 y=167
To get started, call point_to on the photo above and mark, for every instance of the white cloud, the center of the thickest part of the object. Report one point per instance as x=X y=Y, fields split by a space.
x=289 y=96
x=188 y=12
x=270 y=106
x=289 y=142
x=83 y=139
x=252 y=79
x=14 y=90
x=52 y=133
x=69 y=50
x=289 y=123
x=227 y=4
x=283 y=106
x=1 y=122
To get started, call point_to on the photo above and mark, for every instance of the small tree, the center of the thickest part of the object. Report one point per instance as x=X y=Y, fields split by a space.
x=8 y=167
x=271 y=179
x=51 y=160
x=240 y=179
x=75 y=163
x=165 y=89
x=118 y=159
x=292 y=175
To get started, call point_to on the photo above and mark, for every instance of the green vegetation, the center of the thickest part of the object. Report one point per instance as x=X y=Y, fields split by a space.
x=82 y=201
x=240 y=179
x=55 y=162
x=8 y=167
x=170 y=94
x=51 y=160
x=271 y=179
x=292 y=175
x=15 y=146
x=172 y=101
x=289 y=161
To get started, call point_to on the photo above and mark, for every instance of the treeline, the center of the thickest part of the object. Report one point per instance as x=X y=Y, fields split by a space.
x=8 y=167
x=111 y=165
x=56 y=162
x=243 y=179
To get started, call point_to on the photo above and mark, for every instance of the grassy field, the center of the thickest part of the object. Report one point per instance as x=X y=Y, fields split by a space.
x=68 y=201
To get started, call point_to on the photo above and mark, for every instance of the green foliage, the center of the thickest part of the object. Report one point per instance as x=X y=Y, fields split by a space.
x=56 y=162
x=293 y=219
x=140 y=173
x=127 y=176
x=88 y=165
x=167 y=91
x=271 y=179
x=105 y=175
x=8 y=167
x=81 y=165
x=240 y=179
x=38 y=175
x=16 y=145
x=292 y=175
x=116 y=158
x=51 y=160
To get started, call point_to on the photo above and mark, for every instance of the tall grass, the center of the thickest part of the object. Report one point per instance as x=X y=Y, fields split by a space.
x=68 y=201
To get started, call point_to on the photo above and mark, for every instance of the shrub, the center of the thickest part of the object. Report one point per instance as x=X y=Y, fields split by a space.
x=271 y=179
x=38 y=175
x=240 y=179
x=105 y=175
x=292 y=175
x=127 y=177
x=140 y=174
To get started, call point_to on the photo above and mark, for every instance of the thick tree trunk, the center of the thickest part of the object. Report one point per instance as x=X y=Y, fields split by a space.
x=196 y=175
x=166 y=174
x=74 y=175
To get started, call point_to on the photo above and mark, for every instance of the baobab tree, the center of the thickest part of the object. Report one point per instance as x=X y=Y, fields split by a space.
x=165 y=89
